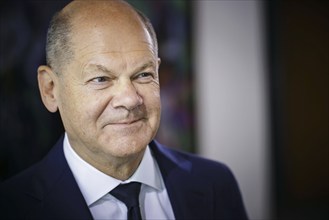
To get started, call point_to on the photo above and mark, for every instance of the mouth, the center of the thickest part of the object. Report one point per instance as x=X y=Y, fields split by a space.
x=125 y=123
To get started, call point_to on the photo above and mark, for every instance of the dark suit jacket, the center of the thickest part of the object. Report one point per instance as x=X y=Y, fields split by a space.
x=197 y=188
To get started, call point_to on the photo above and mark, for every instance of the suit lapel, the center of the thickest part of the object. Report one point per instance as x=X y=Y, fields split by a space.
x=56 y=189
x=58 y=195
x=190 y=197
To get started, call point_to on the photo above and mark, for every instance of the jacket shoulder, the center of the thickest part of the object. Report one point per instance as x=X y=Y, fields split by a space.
x=19 y=182
x=194 y=163
x=227 y=201
x=13 y=195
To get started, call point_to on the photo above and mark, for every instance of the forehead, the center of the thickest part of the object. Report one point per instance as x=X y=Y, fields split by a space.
x=120 y=62
x=110 y=33
x=113 y=47
x=126 y=57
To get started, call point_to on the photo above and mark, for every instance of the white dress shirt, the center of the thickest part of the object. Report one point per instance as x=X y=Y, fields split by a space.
x=96 y=185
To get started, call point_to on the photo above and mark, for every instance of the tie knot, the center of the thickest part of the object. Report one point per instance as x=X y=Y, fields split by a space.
x=128 y=194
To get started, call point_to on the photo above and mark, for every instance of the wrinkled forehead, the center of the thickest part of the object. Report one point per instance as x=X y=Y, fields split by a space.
x=111 y=32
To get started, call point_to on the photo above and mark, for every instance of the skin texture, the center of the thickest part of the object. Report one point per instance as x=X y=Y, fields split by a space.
x=108 y=96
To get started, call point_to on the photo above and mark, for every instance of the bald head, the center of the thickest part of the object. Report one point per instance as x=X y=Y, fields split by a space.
x=78 y=19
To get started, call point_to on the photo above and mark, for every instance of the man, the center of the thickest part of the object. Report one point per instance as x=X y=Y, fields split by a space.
x=102 y=77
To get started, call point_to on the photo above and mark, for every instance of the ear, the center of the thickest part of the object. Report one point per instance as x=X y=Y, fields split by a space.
x=159 y=62
x=47 y=86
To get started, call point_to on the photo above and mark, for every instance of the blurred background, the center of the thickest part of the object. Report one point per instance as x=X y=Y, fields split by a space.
x=242 y=82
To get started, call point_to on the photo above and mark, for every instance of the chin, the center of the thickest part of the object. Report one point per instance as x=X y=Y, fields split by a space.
x=125 y=146
x=125 y=152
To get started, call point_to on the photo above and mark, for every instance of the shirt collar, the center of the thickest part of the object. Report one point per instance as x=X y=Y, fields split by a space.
x=94 y=184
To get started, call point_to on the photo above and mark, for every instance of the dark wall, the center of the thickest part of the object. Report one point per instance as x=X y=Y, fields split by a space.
x=27 y=130
x=299 y=66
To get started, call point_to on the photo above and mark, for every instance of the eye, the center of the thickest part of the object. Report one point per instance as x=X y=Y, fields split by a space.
x=141 y=75
x=100 y=79
x=145 y=76
x=100 y=82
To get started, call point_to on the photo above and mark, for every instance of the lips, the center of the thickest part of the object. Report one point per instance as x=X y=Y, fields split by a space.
x=124 y=122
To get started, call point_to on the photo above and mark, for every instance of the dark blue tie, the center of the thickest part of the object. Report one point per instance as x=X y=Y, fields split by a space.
x=129 y=194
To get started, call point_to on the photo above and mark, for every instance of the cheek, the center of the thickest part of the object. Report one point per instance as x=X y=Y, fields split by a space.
x=81 y=108
x=151 y=96
x=95 y=104
x=153 y=104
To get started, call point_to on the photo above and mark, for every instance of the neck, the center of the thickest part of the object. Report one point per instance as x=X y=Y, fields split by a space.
x=121 y=168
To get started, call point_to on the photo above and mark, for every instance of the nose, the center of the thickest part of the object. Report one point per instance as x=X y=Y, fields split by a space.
x=126 y=96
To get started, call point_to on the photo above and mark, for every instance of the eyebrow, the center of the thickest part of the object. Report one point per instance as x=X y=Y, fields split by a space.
x=104 y=69
x=145 y=66
x=98 y=67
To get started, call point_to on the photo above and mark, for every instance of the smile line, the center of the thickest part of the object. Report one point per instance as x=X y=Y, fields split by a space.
x=124 y=123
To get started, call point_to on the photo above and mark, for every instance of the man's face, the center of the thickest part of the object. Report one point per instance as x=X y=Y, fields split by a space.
x=109 y=95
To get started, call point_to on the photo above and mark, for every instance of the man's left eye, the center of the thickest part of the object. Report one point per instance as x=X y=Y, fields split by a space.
x=99 y=79
x=144 y=75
